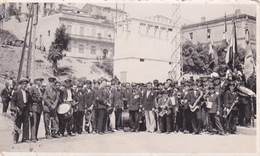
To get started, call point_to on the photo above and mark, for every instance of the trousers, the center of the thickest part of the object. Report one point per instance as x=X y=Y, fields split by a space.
x=20 y=120
x=35 y=122
x=78 y=122
x=51 y=117
x=150 y=120
x=214 y=119
x=134 y=119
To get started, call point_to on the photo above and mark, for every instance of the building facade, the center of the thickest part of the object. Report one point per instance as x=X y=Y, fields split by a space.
x=198 y=32
x=92 y=36
x=143 y=49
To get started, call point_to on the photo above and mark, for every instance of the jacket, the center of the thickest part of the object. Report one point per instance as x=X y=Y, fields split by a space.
x=51 y=98
x=148 y=101
x=17 y=101
x=36 y=99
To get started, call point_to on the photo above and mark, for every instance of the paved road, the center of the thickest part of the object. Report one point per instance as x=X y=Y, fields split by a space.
x=129 y=142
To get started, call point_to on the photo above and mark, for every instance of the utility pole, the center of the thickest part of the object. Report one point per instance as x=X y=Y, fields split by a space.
x=35 y=22
x=29 y=56
x=23 y=50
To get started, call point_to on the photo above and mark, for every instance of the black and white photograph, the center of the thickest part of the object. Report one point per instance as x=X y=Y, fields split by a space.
x=129 y=77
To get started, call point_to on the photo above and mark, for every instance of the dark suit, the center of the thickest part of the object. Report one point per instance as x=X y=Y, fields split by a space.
x=80 y=97
x=101 y=99
x=67 y=122
x=232 y=118
x=89 y=114
x=118 y=104
x=213 y=117
x=36 y=109
x=195 y=117
x=51 y=100
x=22 y=114
x=134 y=103
x=5 y=95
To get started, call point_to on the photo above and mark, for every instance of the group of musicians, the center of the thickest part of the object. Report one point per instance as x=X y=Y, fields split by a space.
x=208 y=104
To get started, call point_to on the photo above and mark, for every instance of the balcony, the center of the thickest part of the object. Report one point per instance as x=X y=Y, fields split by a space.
x=90 y=38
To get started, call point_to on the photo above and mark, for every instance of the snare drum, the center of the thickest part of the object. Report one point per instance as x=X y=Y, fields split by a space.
x=65 y=109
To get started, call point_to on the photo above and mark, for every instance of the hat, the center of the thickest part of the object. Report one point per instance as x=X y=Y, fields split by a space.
x=169 y=80
x=68 y=81
x=149 y=83
x=134 y=84
x=52 y=79
x=113 y=82
x=141 y=84
x=155 y=81
x=80 y=85
x=23 y=80
x=89 y=82
x=38 y=79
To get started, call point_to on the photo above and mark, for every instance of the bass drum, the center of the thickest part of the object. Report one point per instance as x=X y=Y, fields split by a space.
x=65 y=109
x=125 y=120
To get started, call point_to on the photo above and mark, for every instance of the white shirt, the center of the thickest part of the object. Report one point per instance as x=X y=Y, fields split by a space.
x=148 y=92
x=24 y=96
x=173 y=100
x=69 y=95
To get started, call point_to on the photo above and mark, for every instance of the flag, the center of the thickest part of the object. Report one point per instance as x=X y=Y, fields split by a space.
x=232 y=49
x=213 y=55
x=249 y=61
x=224 y=41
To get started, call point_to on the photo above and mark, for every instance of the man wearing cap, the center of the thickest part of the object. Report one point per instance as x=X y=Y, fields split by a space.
x=95 y=111
x=80 y=99
x=230 y=98
x=51 y=100
x=101 y=98
x=20 y=105
x=193 y=96
x=134 y=106
x=149 y=105
x=68 y=97
x=213 y=104
x=89 y=107
x=117 y=104
x=36 y=107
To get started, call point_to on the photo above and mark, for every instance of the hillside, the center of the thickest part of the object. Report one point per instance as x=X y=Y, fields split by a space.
x=71 y=67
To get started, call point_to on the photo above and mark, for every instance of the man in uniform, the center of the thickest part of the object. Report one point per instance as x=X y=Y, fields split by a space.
x=101 y=98
x=134 y=106
x=36 y=107
x=67 y=97
x=80 y=99
x=20 y=105
x=89 y=108
x=51 y=100
x=230 y=98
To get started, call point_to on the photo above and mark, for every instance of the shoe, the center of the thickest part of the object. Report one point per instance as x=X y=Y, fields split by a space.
x=167 y=132
x=48 y=137
x=15 y=142
x=33 y=141
x=100 y=133
x=56 y=136
x=27 y=141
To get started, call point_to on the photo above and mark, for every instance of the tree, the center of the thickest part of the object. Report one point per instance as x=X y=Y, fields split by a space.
x=57 y=47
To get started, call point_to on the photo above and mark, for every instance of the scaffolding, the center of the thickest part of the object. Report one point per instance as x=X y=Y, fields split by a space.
x=176 y=43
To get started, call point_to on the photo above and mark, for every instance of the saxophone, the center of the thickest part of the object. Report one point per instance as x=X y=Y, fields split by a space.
x=195 y=106
x=226 y=113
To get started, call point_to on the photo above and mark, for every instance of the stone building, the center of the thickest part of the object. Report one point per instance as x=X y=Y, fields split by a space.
x=197 y=32
x=143 y=49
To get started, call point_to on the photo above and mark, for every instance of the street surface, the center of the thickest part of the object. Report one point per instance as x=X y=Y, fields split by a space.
x=129 y=142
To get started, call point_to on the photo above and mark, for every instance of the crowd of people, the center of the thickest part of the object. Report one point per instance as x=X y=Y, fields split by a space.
x=210 y=105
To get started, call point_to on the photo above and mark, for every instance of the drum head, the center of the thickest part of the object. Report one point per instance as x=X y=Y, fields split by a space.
x=63 y=108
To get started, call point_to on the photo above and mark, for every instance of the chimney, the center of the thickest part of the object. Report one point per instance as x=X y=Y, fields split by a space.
x=203 y=19
x=237 y=12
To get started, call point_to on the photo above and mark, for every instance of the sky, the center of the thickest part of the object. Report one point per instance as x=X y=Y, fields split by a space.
x=190 y=12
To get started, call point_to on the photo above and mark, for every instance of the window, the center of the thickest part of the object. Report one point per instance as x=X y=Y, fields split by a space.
x=81 y=48
x=69 y=48
x=93 y=32
x=20 y=8
x=105 y=34
x=69 y=29
x=191 y=36
x=93 y=50
x=141 y=60
x=40 y=40
x=99 y=35
x=81 y=32
x=49 y=33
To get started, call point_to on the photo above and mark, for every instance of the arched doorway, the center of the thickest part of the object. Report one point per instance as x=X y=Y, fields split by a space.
x=105 y=52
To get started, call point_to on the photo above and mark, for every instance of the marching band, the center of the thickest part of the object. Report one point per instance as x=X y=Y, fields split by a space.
x=210 y=105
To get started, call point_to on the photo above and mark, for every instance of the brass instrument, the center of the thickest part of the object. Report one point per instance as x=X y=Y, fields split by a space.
x=195 y=106
x=227 y=112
